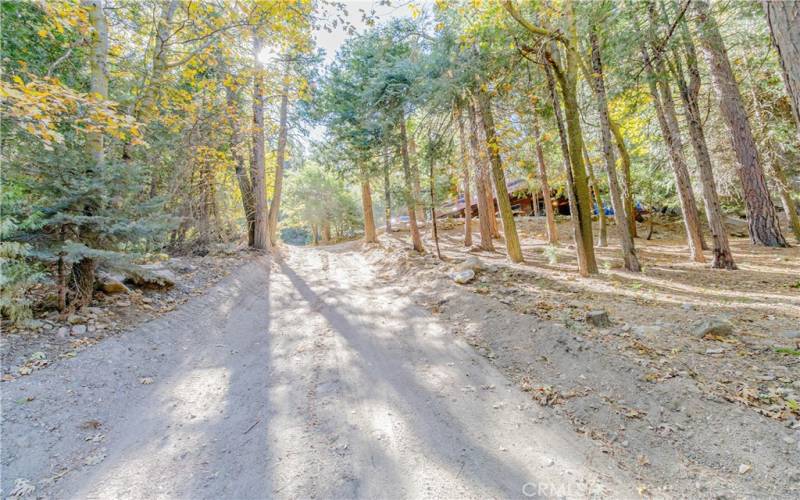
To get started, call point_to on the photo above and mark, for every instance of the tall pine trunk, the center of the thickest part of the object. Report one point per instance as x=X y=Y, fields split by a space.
x=509 y=226
x=387 y=191
x=462 y=144
x=722 y=258
x=784 y=24
x=280 y=154
x=568 y=81
x=485 y=210
x=626 y=240
x=242 y=177
x=370 y=235
x=412 y=153
x=761 y=216
x=601 y=212
x=667 y=119
x=416 y=240
x=261 y=219
x=552 y=230
x=580 y=215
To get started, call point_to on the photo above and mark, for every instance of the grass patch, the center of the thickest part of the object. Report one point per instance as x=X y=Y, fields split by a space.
x=788 y=350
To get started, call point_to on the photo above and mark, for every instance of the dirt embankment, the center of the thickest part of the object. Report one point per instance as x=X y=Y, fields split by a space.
x=686 y=409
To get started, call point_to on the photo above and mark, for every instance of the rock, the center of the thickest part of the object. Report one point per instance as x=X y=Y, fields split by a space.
x=716 y=327
x=62 y=332
x=79 y=330
x=464 y=277
x=470 y=263
x=111 y=283
x=715 y=351
x=74 y=319
x=152 y=276
x=744 y=468
x=598 y=319
x=32 y=324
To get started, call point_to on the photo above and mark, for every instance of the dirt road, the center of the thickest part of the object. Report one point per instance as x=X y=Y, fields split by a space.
x=303 y=377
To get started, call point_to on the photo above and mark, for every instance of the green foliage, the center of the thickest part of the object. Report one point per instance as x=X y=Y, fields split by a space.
x=316 y=197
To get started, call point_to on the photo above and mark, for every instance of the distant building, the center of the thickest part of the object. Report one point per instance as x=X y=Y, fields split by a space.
x=523 y=202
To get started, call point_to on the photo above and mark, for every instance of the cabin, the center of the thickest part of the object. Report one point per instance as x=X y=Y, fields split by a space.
x=523 y=202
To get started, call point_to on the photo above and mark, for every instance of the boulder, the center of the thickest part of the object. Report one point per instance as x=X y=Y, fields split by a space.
x=472 y=263
x=152 y=276
x=111 y=283
x=74 y=319
x=463 y=277
x=79 y=330
x=714 y=326
x=598 y=319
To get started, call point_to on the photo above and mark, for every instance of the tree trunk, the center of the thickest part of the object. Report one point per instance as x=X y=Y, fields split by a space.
x=784 y=24
x=509 y=226
x=242 y=177
x=280 y=154
x=486 y=174
x=601 y=211
x=412 y=153
x=667 y=119
x=627 y=180
x=83 y=271
x=485 y=211
x=580 y=216
x=626 y=240
x=462 y=143
x=568 y=81
x=788 y=203
x=261 y=232
x=416 y=241
x=387 y=192
x=722 y=256
x=552 y=230
x=779 y=176
x=326 y=231
x=761 y=216
x=366 y=203
x=433 y=208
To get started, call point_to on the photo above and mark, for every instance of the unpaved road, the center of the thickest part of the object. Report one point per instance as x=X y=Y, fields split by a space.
x=298 y=378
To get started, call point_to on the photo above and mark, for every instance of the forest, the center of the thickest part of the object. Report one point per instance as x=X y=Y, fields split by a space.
x=644 y=154
x=136 y=128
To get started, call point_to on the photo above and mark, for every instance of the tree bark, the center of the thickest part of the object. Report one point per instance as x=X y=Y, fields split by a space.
x=779 y=176
x=690 y=91
x=412 y=153
x=387 y=191
x=462 y=144
x=568 y=81
x=485 y=210
x=83 y=271
x=627 y=180
x=667 y=119
x=784 y=25
x=242 y=177
x=601 y=212
x=629 y=257
x=509 y=226
x=280 y=154
x=366 y=203
x=261 y=231
x=761 y=216
x=580 y=216
x=552 y=230
x=416 y=241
